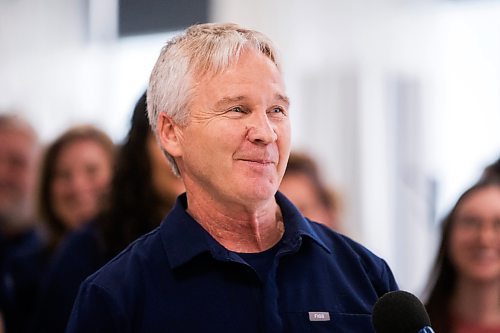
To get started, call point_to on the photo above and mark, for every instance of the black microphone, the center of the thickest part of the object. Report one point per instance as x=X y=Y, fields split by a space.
x=400 y=312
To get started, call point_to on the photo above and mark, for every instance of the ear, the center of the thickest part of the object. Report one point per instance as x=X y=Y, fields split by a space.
x=169 y=135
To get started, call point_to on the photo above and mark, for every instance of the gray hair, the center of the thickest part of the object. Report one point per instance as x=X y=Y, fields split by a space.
x=202 y=49
x=13 y=121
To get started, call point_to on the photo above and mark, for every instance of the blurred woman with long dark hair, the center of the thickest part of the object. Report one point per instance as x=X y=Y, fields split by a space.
x=464 y=290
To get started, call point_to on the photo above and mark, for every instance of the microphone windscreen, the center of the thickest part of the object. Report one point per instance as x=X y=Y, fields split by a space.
x=399 y=312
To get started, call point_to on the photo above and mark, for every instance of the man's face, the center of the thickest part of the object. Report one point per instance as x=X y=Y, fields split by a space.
x=237 y=141
x=18 y=163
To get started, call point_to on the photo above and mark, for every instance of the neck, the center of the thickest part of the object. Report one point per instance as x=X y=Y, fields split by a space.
x=239 y=228
x=477 y=302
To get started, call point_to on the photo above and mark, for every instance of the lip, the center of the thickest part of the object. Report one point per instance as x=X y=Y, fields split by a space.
x=485 y=254
x=259 y=161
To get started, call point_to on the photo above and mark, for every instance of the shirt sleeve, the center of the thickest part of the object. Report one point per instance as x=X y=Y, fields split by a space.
x=95 y=310
x=388 y=281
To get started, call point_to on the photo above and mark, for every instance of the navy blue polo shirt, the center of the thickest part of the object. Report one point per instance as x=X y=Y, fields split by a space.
x=178 y=278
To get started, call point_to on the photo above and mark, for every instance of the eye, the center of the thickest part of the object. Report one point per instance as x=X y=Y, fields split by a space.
x=278 y=110
x=238 y=109
x=62 y=175
x=469 y=223
x=496 y=225
x=18 y=162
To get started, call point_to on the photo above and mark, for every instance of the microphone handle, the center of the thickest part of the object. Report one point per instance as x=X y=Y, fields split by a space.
x=426 y=329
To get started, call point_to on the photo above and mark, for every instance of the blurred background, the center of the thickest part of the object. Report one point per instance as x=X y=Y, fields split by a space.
x=397 y=99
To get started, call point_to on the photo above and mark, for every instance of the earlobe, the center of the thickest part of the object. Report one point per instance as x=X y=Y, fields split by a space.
x=168 y=135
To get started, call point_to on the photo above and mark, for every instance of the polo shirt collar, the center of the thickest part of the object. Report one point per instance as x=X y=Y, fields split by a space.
x=184 y=239
x=296 y=225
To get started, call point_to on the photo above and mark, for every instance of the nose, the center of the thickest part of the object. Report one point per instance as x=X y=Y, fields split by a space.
x=260 y=129
x=78 y=183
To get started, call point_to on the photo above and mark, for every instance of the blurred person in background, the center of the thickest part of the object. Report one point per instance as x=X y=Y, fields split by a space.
x=143 y=190
x=303 y=185
x=19 y=160
x=75 y=177
x=464 y=288
x=19 y=157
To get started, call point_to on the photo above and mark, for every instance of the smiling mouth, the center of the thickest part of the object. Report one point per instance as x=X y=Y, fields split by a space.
x=263 y=162
x=485 y=255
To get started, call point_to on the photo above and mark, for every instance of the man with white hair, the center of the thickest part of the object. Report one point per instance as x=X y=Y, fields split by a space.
x=234 y=255
x=19 y=159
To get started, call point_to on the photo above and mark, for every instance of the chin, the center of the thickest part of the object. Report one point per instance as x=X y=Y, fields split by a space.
x=258 y=195
x=484 y=277
x=258 y=189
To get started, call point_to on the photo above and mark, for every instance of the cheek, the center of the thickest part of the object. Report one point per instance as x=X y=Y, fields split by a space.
x=458 y=246
x=284 y=133
x=103 y=178
x=59 y=196
x=284 y=144
x=96 y=174
x=210 y=143
x=58 y=189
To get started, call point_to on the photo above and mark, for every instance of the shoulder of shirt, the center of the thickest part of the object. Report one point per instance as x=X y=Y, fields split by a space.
x=341 y=244
x=136 y=253
x=348 y=252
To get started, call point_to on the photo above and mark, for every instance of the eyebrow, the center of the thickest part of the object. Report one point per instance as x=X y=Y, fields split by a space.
x=230 y=100
x=283 y=98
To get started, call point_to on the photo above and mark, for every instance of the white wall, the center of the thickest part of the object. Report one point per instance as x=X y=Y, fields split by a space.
x=348 y=64
x=62 y=64
x=392 y=97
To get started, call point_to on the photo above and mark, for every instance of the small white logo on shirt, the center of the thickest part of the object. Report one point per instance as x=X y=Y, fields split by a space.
x=319 y=316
